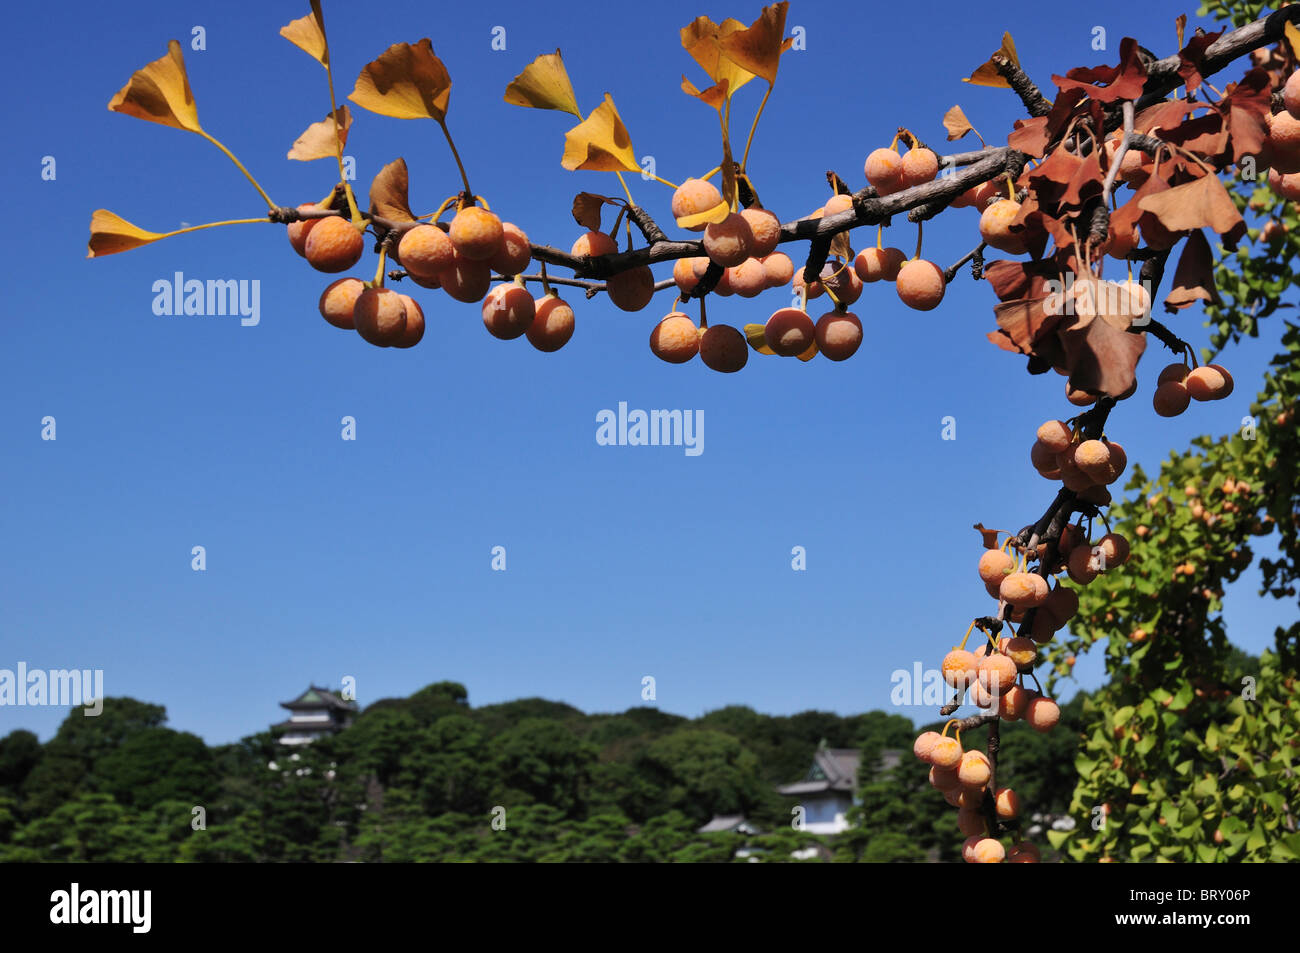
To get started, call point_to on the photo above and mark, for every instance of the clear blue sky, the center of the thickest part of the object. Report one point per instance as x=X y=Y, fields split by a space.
x=371 y=558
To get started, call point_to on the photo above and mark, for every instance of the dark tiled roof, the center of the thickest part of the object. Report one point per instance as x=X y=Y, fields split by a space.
x=316 y=697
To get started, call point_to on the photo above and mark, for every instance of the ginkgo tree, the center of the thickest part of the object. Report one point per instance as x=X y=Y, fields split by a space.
x=1122 y=166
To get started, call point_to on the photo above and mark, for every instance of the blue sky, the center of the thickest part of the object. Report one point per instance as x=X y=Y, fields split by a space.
x=371 y=558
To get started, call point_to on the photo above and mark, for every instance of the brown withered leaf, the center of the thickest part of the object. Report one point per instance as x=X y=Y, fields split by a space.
x=600 y=142
x=1084 y=185
x=1201 y=203
x=1107 y=84
x=987 y=74
x=715 y=95
x=1100 y=358
x=1249 y=103
x=702 y=38
x=1025 y=320
x=1065 y=109
x=110 y=234
x=840 y=246
x=1166 y=115
x=544 y=84
x=1194 y=277
x=1009 y=279
x=308 y=34
x=160 y=92
x=758 y=47
x=955 y=121
x=587 y=208
x=1191 y=56
x=1053 y=176
x=1003 y=340
x=1029 y=136
x=990 y=536
x=388 y=192
x=320 y=140
x=405 y=82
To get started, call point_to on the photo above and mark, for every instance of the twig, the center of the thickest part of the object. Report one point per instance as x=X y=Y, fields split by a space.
x=1036 y=104
x=950 y=272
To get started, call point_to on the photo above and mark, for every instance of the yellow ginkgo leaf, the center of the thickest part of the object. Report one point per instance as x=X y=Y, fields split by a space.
x=600 y=142
x=1292 y=37
x=707 y=217
x=715 y=95
x=160 y=92
x=110 y=234
x=754 y=334
x=308 y=34
x=320 y=141
x=758 y=47
x=544 y=84
x=988 y=75
x=406 y=82
x=955 y=121
x=702 y=39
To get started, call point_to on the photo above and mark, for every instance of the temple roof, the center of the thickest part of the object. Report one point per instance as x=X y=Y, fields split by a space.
x=316 y=697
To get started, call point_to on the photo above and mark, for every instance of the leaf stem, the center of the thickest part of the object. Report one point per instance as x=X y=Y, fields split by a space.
x=248 y=175
x=753 y=127
x=456 y=155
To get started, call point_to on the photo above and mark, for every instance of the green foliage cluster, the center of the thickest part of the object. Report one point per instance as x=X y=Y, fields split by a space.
x=421 y=779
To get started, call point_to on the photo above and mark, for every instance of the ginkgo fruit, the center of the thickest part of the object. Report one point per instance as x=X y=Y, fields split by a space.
x=333 y=245
x=813 y=289
x=1171 y=398
x=1205 y=383
x=1023 y=853
x=1024 y=590
x=552 y=325
x=1055 y=435
x=514 y=254
x=1042 y=713
x=923 y=747
x=1093 y=458
x=727 y=242
x=380 y=316
x=685 y=275
x=466 y=280
x=631 y=290
x=1291 y=94
x=997 y=673
x=1227 y=380
x=413 y=332
x=694 y=197
x=920 y=165
x=879 y=264
x=764 y=229
x=1062 y=602
x=1023 y=652
x=1078 y=397
x=1081 y=566
x=838 y=335
x=995 y=227
x=1173 y=372
x=843 y=282
x=884 y=170
x=424 y=251
x=995 y=565
x=974 y=770
x=1113 y=550
x=1006 y=803
x=789 y=332
x=593 y=244
x=723 y=348
x=970 y=822
x=944 y=779
x=1013 y=703
x=476 y=233
x=959 y=668
x=748 y=279
x=968 y=848
x=779 y=269
x=921 y=284
x=298 y=230
x=1284 y=138
x=339 y=299
x=675 y=339
x=508 y=311
x=837 y=203
x=946 y=753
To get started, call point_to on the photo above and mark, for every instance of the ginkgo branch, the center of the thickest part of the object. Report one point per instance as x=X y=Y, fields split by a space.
x=1036 y=104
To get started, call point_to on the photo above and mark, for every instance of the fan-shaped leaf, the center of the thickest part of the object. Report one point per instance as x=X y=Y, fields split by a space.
x=405 y=82
x=544 y=84
x=160 y=92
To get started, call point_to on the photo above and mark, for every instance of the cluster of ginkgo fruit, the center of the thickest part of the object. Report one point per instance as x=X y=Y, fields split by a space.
x=460 y=258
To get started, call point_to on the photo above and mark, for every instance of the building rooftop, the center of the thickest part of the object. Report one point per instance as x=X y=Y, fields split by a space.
x=316 y=697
